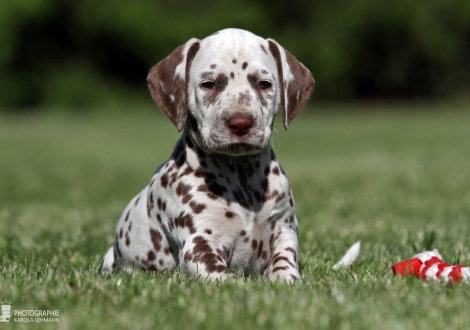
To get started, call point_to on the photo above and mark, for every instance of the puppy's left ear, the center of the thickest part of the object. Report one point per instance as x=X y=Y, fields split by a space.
x=168 y=82
x=295 y=81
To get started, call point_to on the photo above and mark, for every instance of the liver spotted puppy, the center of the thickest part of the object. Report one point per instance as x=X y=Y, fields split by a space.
x=221 y=202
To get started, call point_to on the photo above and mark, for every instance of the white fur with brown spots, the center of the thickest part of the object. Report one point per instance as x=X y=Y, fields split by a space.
x=221 y=202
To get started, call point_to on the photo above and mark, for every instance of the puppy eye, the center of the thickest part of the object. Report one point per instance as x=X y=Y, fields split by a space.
x=263 y=84
x=208 y=84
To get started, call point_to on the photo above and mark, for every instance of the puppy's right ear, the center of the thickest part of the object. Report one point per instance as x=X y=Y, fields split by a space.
x=168 y=82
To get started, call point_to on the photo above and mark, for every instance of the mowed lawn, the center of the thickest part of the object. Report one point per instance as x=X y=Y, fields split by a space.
x=397 y=178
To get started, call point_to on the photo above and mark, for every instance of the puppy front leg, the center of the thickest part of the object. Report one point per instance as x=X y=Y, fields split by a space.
x=283 y=263
x=201 y=257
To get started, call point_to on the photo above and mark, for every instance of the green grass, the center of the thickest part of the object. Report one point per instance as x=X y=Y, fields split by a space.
x=396 y=178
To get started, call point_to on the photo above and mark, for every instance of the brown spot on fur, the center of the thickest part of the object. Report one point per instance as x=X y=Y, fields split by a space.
x=281 y=258
x=204 y=188
x=244 y=65
x=210 y=96
x=234 y=61
x=213 y=66
x=206 y=75
x=159 y=202
x=210 y=261
x=208 y=231
x=137 y=201
x=127 y=216
x=276 y=171
x=187 y=256
x=201 y=245
x=156 y=239
x=264 y=49
x=242 y=233
x=254 y=244
x=151 y=256
x=187 y=198
x=172 y=168
x=261 y=93
x=185 y=220
x=232 y=75
x=199 y=174
x=120 y=233
x=186 y=171
x=271 y=242
x=221 y=82
x=293 y=252
x=196 y=207
x=164 y=180
x=229 y=214
x=279 y=268
x=182 y=189
x=280 y=197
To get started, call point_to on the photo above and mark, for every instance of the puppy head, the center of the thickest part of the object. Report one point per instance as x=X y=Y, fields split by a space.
x=228 y=87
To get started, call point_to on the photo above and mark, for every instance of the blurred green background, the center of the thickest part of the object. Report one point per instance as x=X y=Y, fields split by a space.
x=82 y=54
x=395 y=176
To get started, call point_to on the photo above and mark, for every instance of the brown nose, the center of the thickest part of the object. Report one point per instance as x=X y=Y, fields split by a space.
x=240 y=125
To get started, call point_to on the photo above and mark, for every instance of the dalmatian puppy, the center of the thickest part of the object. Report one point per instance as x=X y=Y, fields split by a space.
x=222 y=202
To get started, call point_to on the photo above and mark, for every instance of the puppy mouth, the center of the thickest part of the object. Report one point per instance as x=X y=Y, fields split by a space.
x=232 y=145
x=238 y=149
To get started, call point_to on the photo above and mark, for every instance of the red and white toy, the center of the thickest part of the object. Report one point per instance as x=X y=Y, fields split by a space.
x=429 y=265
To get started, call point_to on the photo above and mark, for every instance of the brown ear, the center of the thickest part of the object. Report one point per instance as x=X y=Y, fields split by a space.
x=296 y=83
x=168 y=82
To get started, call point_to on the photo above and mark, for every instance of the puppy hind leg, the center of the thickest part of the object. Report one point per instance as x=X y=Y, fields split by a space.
x=108 y=262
